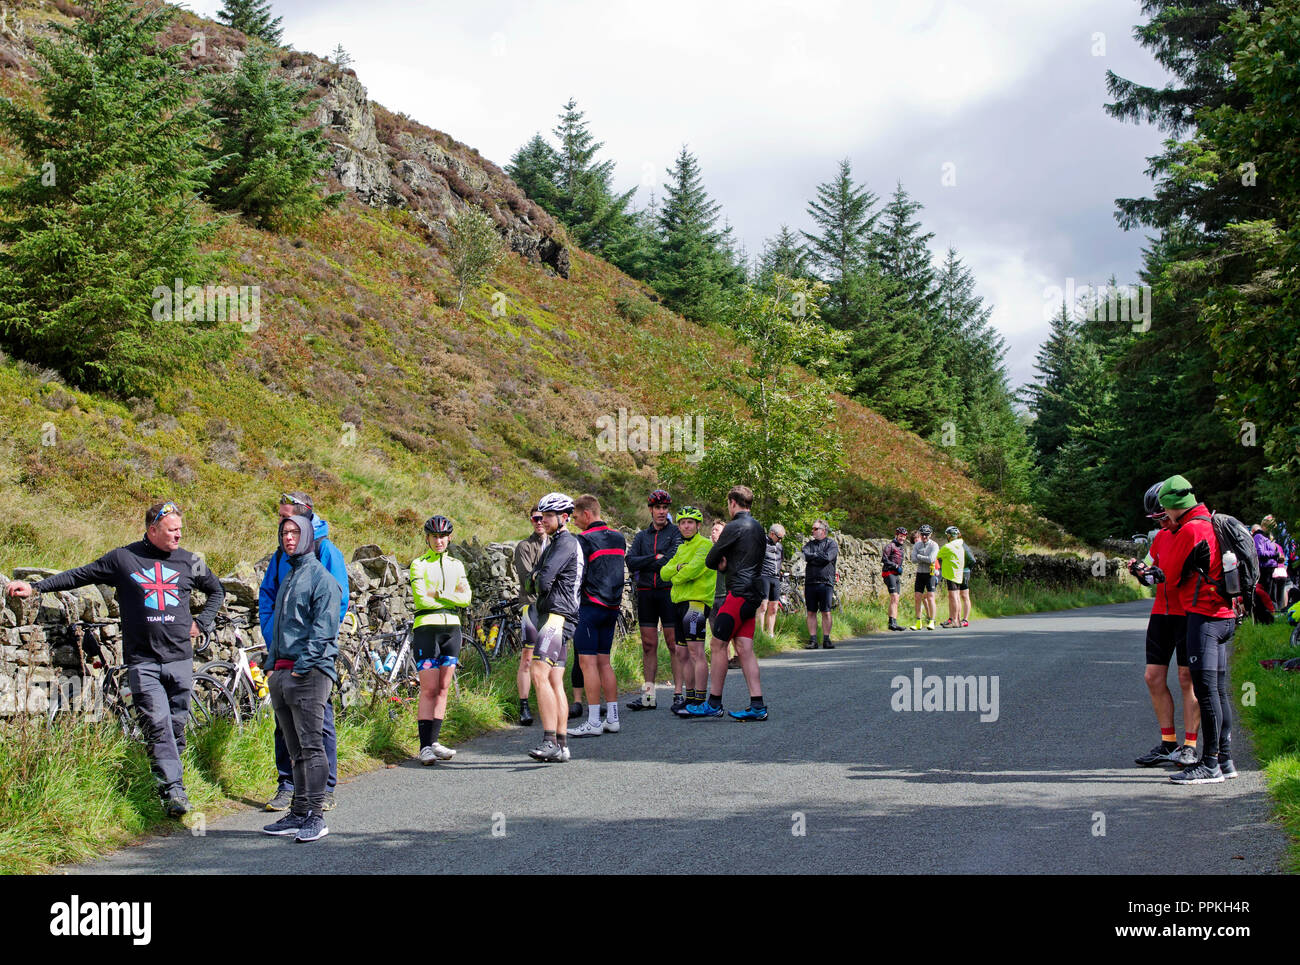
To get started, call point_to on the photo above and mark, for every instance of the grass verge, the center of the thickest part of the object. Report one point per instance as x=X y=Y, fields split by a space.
x=1270 y=710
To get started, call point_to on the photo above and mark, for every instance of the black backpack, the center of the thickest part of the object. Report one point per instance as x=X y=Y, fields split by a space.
x=1231 y=534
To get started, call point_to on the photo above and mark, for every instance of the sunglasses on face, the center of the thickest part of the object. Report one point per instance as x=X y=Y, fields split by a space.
x=166 y=509
x=536 y=519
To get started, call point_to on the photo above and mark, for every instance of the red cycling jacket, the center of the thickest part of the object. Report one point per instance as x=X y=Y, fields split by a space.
x=1196 y=593
x=1167 y=596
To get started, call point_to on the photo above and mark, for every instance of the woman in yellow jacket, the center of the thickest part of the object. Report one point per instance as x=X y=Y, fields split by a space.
x=440 y=590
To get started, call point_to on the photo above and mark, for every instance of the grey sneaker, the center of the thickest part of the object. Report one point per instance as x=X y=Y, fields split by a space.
x=1228 y=768
x=313 y=828
x=288 y=825
x=282 y=801
x=328 y=803
x=1201 y=773
x=1157 y=755
x=547 y=752
x=1185 y=756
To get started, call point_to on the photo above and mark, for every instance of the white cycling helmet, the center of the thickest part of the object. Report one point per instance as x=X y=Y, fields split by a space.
x=555 y=503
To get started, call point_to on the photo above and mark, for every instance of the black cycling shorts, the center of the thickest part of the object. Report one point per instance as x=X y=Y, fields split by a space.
x=1166 y=635
x=654 y=607
x=595 y=633
x=818 y=598
x=955 y=586
x=771 y=588
x=926 y=583
x=891 y=581
x=435 y=646
x=691 y=628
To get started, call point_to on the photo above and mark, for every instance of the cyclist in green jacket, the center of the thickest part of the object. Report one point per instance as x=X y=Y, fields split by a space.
x=440 y=590
x=952 y=561
x=693 y=588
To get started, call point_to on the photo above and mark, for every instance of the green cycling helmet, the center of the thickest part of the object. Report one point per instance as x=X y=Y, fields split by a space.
x=690 y=512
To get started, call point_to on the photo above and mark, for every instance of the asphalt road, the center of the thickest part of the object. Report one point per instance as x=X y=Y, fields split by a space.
x=836 y=780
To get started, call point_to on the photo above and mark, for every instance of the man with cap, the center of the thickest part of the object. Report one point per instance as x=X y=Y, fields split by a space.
x=1195 y=567
x=891 y=571
x=277 y=571
x=301 y=653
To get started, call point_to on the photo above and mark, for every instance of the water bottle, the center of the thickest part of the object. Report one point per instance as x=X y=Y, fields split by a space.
x=1231 y=576
x=391 y=661
x=378 y=661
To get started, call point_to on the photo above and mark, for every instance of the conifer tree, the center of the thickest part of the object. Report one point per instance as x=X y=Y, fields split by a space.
x=268 y=163
x=108 y=210
x=692 y=265
x=535 y=168
x=253 y=17
x=842 y=246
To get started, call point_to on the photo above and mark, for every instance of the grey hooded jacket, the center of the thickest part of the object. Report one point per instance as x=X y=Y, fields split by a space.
x=306 y=610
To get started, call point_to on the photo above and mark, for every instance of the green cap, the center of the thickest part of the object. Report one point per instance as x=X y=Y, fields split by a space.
x=1176 y=493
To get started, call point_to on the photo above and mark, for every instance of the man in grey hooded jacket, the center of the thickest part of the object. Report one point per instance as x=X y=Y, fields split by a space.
x=301 y=655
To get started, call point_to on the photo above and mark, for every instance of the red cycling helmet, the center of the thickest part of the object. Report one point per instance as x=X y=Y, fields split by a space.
x=659 y=498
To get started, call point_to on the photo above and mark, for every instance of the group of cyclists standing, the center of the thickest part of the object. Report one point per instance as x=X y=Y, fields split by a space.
x=952 y=562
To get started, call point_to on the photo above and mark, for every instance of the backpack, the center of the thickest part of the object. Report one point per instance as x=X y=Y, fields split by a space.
x=1231 y=534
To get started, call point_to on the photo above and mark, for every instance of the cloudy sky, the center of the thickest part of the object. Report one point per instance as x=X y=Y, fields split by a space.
x=1005 y=96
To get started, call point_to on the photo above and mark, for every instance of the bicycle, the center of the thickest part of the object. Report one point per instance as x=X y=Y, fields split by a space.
x=109 y=690
x=790 y=598
x=244 y=679
x=499 y=633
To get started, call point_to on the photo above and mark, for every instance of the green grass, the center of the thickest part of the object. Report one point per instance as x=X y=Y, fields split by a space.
x=1270 y=710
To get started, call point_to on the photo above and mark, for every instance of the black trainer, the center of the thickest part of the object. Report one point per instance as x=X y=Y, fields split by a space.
x=287 y=826
x=177 y=804
x=575 y=711
x=526 y=716
x=1228 y=769
x=811 y=644
x=826 y=644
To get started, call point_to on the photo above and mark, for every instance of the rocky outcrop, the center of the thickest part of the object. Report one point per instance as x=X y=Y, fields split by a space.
x=404 y=164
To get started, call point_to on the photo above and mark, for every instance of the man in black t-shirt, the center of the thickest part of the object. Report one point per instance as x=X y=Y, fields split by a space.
x=153 y=578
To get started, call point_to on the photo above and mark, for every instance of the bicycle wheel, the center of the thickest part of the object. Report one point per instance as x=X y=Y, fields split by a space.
x=251 y=706
x=211 y=703
x=474 y=667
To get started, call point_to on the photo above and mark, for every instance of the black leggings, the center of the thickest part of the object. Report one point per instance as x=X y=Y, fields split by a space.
x=1207 y=656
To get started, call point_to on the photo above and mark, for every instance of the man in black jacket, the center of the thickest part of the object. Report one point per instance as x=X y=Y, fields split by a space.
x=773 y=559
x=820 y=553
x=743 y=546
x=153 y=578
x=654 y=602
x=603 y=553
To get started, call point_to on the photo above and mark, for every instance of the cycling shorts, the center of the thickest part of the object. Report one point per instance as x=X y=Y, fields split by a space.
x=553 y=643
x=656 y=606
x=735 y=619
x=925 y=583
x=818 y=598
x=771 y=588
x=955 y=586
x=1166 y=635
x=595 y=632
x=434 y=647
x=891 y=581
x=692 y=622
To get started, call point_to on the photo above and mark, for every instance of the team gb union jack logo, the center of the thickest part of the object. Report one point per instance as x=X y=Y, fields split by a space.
x=159 y=585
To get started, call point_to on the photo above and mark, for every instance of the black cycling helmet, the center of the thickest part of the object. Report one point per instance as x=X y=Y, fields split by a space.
x=1151 y=502
x=659 y=498
x=925 y=529
x=437 y=526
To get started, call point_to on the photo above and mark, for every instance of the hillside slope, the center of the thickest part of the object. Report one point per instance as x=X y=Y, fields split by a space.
x=364 y=387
